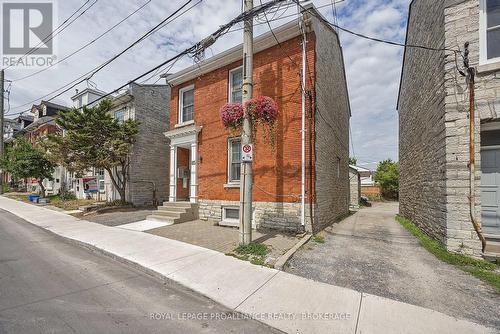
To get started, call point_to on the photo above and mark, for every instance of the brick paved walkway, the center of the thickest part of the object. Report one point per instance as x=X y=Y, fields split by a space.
x=225 y=239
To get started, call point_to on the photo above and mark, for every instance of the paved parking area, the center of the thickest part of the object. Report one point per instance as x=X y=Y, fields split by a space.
x=225 y=239
x=371 y=252
x=126 y=216
x=198 y=232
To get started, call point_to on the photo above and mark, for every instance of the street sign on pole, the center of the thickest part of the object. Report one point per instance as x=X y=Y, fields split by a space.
x=247 y=152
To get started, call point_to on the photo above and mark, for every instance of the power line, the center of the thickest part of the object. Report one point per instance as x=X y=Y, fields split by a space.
x=196 y=49
x=199 y=47
x=282 y=16
x=94 y=71
x=352 y=142
x=56 y=31
x=375 y=39
x=86 y=45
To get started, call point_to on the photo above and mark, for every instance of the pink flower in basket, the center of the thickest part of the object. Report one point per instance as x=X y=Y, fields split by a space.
x=263 y=109
x=232 y=115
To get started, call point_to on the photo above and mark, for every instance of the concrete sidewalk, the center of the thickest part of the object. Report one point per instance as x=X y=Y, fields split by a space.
x=287 y=302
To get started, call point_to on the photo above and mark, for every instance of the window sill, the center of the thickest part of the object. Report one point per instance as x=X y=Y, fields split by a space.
x=180 y=125
x=232 y=185
x=489 y=67
x=229 y=222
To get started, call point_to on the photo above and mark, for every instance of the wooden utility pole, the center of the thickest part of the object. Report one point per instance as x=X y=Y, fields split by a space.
x=2 y=92
x=246 y=178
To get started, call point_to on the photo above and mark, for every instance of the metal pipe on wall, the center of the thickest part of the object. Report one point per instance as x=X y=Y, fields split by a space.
x=303 y=128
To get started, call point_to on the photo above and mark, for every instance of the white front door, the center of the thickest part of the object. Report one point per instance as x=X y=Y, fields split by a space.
x=490 y=190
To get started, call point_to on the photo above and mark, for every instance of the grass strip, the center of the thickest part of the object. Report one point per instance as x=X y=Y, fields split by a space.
x=484 y=270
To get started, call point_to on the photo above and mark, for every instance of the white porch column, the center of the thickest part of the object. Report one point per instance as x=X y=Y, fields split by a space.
x=193 y=182
x=173 y=174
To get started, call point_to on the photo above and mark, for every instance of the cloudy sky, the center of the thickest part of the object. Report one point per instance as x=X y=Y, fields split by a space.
x=373 y=69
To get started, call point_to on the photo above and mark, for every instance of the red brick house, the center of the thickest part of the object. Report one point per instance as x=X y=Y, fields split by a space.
x=44 y=124
x=205 y=157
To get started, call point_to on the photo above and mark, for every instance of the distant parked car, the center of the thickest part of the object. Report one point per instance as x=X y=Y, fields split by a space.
x=364 y=201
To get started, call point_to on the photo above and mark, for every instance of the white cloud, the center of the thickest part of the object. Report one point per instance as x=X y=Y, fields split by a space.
x=373 y=69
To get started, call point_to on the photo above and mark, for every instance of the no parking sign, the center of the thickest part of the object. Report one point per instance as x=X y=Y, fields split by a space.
x=247 y=152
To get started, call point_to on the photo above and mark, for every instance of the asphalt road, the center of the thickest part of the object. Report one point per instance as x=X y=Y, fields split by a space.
x=50 y=286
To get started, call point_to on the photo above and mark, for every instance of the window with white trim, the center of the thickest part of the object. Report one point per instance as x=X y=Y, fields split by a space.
x=234 y=160
x=101 y=179
x=231 y=214
x=490 y=31
x=186 y=104
x=120 y=115
x=235 y=85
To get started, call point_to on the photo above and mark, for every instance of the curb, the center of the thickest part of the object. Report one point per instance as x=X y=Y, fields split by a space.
x=283 y=259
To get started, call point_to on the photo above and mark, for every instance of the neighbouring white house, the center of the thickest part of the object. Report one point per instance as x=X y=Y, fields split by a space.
x=366 y=175
x=355 y=187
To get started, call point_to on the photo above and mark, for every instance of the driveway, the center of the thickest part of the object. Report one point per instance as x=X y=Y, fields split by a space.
x=372 y=253
x=118 y=217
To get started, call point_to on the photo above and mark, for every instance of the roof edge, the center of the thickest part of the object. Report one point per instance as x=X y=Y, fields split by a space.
x=262 y=42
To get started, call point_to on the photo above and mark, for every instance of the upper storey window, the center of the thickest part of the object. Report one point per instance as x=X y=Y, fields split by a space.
x=186 y=104
x=490 y=31
x=235 y=85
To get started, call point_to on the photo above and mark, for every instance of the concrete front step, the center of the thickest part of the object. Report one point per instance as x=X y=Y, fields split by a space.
x=172 y=209
x=171 y=214
x=167 y=220
x=175 y=212
x=179 y=204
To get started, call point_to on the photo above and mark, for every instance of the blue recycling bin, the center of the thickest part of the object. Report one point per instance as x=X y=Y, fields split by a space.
x=33 y=198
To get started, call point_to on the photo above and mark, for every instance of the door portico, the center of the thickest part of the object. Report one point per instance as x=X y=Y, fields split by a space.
x=187 y=138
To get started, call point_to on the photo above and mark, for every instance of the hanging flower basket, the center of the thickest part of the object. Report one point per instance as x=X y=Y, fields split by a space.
x=232 y=116
x=262 y=109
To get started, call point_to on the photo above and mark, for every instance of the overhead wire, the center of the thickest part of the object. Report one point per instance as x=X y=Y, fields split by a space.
x=192 y=51
x=88 y=75
x=85 y=45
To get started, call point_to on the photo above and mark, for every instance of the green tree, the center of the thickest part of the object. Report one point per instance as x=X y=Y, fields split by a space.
x=25 y=160
x=387 y=176
x=93 y=138
x=353 y=161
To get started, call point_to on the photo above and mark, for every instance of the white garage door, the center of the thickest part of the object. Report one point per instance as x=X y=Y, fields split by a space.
x=490 y=190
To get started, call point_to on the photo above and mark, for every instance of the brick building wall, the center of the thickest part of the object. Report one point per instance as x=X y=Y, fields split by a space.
x=277 y=172
x=422 y=132
x=332 y=116
x=150 y=154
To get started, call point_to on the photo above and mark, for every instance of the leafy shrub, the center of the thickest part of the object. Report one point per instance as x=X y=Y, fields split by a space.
x=67 y=196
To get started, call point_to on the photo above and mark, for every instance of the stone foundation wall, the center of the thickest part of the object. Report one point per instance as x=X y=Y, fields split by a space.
x=279 y=216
